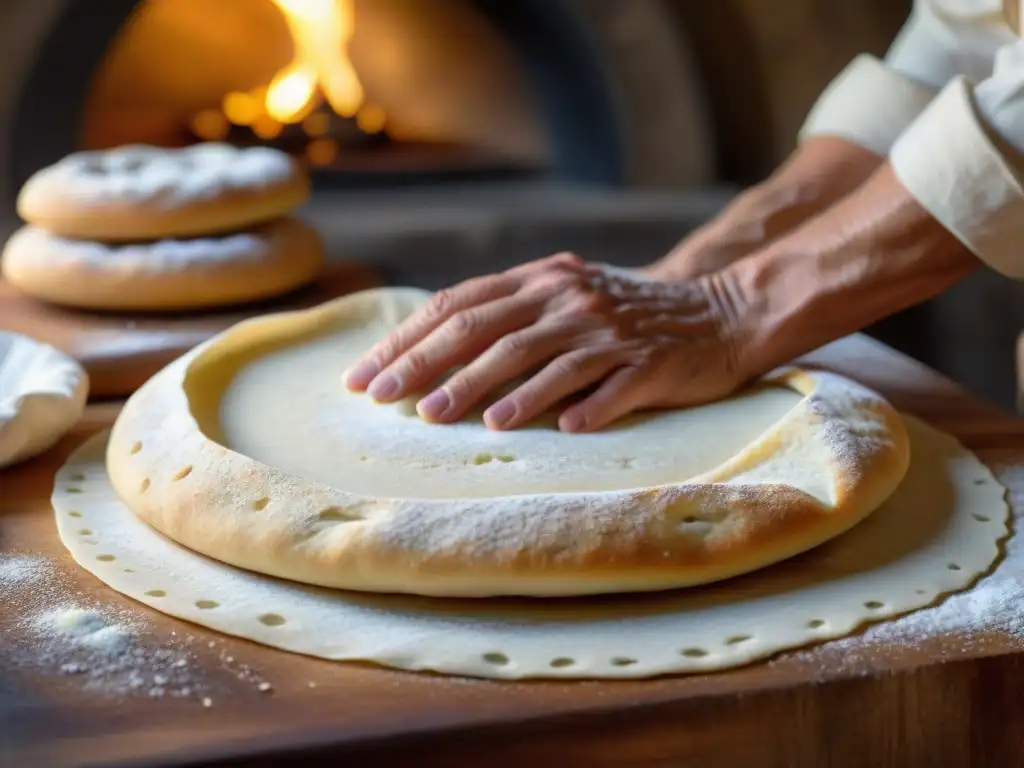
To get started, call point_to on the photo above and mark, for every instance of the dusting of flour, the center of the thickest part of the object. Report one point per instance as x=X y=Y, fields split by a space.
x=995 y=604
x=60 y=632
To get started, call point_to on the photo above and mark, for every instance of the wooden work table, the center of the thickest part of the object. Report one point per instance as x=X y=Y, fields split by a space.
x=954 y=701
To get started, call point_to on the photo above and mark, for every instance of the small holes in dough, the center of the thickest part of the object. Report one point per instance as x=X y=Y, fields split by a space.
x=623 y=661
x=128 y=570
x=920 y=592
x=106 y=558
x=562 y=661
x=144 y=485
x=272 y=619
x=156 y=593
x=953 y=567
x=981 y=518
x=74 y=513
x=206 y=604
x=337 y=514
x=497 y=659
x=182 y=473
x=89 y=541
x=690 y=519
x=84 y=532
x=980 y=481
x=364 y=458
x=737 y=639
x=78 y=477
x=693 y=653
x=873 y=605
x=816 y=623
x=260 y=504
x=136 y=447
x=74 y=490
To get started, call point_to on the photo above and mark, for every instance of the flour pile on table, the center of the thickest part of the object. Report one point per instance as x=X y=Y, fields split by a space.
x=62 y=633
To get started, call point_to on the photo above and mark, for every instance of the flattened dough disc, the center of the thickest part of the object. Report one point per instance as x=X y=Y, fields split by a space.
x=939 y=530
x=250 y=450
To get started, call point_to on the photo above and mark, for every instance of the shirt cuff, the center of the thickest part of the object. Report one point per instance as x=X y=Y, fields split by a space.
x=868 y=104
x=947 y=161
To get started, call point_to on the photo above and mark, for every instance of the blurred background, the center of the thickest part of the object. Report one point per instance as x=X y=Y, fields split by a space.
x=448 y=138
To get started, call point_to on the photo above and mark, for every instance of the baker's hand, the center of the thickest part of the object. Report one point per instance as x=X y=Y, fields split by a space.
x=566 y=326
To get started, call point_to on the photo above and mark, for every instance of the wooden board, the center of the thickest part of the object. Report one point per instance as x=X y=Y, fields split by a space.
x=956 y=700
x=121 y=350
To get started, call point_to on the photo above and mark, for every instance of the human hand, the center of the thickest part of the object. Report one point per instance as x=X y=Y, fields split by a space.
x=566 y=326
x=821 y=171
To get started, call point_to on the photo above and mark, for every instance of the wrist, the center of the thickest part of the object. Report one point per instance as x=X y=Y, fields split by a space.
x=875 y=254
x=822 y=171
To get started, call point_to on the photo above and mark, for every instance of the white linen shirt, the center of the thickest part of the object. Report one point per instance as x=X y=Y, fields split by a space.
x=946 y=106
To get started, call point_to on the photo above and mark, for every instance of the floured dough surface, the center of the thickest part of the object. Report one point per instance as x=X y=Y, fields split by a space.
x=251 y=450
x=141 y=192
x=344 y=440
x=268 y=260
x=938 y=531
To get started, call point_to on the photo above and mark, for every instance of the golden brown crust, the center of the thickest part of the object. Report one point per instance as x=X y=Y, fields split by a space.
x=144 y=193
x=730 y=520
x=266 y=261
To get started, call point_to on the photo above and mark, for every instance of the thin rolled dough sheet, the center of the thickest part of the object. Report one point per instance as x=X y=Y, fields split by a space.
x=250 y=450
x=938 y=531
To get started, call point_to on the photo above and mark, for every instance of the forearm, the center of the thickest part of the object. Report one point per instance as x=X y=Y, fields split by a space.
x=876 y=252
x=820 y=172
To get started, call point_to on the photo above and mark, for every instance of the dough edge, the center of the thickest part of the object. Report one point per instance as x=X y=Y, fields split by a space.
x=60 y=201
x=89 y=275
x=555 y=545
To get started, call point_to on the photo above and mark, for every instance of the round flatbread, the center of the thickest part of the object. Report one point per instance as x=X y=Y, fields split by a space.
x=250 y=450
x=936 y=534
x=140 y=192
x=267 y=261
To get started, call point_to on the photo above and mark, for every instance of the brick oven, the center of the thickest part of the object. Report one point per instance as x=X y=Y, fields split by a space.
x=447 y=138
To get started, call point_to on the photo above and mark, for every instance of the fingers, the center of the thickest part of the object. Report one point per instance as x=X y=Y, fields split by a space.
x=442 y=306
x=620 y=394
x=459 y=339
x=511 y=356
x=561 y=378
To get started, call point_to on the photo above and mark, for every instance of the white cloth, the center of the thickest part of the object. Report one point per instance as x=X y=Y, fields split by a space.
x=947 y=107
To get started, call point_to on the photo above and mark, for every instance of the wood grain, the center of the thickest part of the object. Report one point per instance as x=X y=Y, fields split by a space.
x=950 y=700
x=120 y=351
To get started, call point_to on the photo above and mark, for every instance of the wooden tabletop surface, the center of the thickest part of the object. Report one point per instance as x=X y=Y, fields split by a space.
x=954 y=700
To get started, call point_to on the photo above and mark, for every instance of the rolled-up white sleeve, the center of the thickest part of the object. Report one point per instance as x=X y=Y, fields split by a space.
x=874 y=100
x=957 y=142
x=963 y=160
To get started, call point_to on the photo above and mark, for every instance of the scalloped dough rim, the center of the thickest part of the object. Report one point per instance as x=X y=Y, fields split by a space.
x=951 y=511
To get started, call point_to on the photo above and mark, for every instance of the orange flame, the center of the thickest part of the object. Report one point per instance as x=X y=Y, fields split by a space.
x=320 y=70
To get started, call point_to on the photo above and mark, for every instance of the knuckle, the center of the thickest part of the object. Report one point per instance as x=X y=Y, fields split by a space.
x=514 y=346
x=461 y=389
x=570 y=365
x=461 y=325
x=413 y=364
x=647 y=357
x=388 y=349
x=440 y=304
x=568 y=258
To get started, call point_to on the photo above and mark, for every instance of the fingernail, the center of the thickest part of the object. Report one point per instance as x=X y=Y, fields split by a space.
x=383 y=387
x=434 y=405
x=500 y=413
x=361 y=375
x=573 y=422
